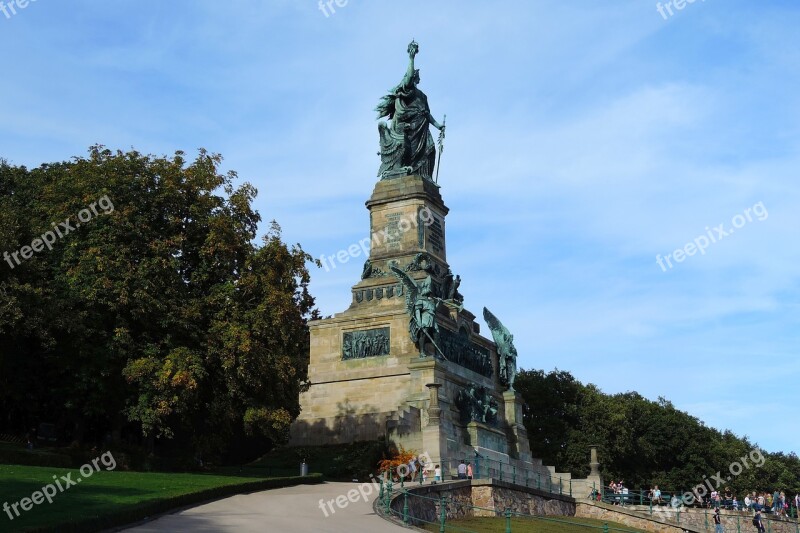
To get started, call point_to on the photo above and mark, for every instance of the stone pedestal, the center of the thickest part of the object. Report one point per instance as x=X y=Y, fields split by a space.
x=367 y=378
x=487 y=437
x=521 y=448
x=434 y=413
x=594 y=480
x=594 y=464
x=407 y=217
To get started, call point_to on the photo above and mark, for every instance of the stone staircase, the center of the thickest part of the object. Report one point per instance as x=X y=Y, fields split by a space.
x=564 y=476
x=404 y=427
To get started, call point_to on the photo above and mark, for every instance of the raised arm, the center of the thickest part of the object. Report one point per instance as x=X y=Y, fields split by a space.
x=413 y=49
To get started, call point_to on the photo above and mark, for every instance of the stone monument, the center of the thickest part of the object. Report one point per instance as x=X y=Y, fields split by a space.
x=407 y=361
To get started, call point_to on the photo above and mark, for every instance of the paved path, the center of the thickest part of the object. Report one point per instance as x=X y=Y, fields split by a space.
x=289 y=510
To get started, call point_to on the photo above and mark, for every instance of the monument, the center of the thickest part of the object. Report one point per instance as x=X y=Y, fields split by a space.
x=407 y=361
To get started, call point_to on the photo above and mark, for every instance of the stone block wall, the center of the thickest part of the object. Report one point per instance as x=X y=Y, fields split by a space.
x=490 y=497
x=608 y=513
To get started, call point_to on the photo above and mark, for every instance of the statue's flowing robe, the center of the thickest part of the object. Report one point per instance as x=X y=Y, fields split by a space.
x=408 y=142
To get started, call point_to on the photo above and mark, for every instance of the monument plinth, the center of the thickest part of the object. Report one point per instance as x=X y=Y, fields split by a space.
x=368 y=377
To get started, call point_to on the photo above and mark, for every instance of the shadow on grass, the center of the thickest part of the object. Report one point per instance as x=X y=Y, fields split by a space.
x=113 y=499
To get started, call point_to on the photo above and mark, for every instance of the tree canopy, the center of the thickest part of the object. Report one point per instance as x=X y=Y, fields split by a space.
x=640 y=441
x=157 y=315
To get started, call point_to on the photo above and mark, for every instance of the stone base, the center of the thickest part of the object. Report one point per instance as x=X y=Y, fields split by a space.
x=366 y=377
x=486 y=437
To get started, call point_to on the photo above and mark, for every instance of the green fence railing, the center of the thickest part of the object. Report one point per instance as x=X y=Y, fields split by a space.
x=670 y=506
x=485 y=468
x=643 y=497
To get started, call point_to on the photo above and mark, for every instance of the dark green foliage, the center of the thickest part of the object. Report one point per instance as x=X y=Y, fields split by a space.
x=642 y=442
x=159 y=321
x=339 y=462
x=18 y=455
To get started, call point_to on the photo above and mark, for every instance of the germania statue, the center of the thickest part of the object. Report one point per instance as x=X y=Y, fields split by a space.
x=407 y=145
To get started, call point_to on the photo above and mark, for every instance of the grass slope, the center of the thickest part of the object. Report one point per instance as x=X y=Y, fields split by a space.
x=107 y=499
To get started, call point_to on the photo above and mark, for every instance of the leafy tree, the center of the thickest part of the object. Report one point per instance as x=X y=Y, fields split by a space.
x=159 y=317
x=642 y=442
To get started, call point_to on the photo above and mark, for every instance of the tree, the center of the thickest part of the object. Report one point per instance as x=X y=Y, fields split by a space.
x=643 y=442
x=158 y=316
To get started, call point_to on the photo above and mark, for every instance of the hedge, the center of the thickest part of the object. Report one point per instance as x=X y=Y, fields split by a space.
x=11 y=456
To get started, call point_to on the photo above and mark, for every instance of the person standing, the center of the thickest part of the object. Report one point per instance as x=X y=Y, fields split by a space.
x=758 y=522
x=462 y=470
x=469 y=470
x=718 y=522
x=437 y=474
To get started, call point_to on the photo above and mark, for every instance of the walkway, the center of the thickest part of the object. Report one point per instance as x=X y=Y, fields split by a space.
x=289 y=510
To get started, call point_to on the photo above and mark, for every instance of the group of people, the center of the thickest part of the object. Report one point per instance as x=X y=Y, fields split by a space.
x=420 y=471
x=464 y=470
x=777 y=503
x=618 y=488
x=758 y=522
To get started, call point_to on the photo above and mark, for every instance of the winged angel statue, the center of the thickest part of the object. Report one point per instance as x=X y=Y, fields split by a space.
x=506 y=351
x=421 y=305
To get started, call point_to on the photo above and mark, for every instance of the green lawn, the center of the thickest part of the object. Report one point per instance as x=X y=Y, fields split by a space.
x=113 y=498
x=552 y=524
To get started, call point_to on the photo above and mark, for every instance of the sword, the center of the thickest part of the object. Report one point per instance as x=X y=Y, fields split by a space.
x=435 y=345
x=441 y=148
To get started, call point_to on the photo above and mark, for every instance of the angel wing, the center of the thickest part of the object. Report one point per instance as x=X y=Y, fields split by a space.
x=410 y=287
x=500 y=333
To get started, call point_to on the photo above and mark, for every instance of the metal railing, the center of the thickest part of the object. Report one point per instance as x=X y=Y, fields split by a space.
x=673 y=508
x=642 y=497
x=485 y=468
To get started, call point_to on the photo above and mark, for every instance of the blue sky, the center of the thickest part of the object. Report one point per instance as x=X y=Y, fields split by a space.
x=584 y=139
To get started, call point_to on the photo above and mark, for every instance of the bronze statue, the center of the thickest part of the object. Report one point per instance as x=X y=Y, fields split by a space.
x=506 y=352
x=421 y=305
x=407 y=146
x=476 y=403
